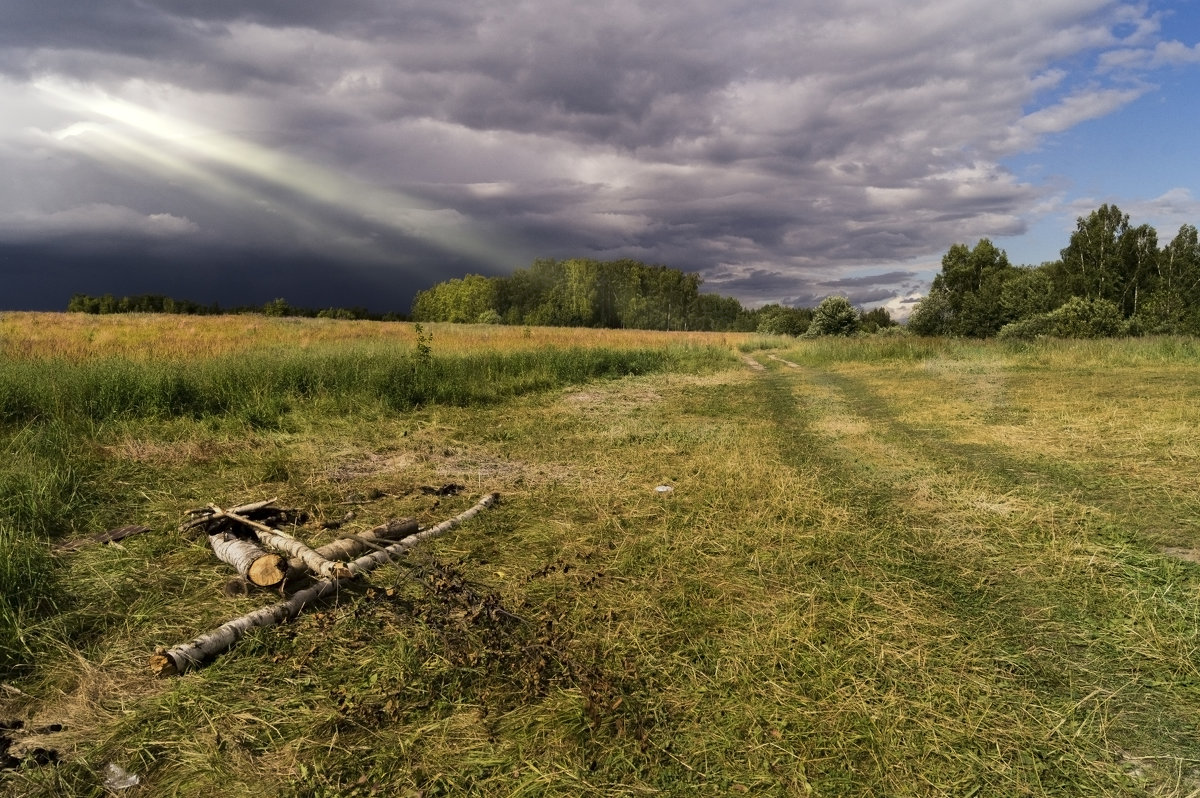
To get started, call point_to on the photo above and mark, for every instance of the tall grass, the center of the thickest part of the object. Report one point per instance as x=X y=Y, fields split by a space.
x=42 y=480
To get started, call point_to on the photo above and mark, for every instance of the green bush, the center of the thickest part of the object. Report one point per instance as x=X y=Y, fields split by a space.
x=1076 y=318
x=834 y=316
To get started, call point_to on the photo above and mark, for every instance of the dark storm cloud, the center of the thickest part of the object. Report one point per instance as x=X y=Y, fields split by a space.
x=888 y=278
x=778 y=148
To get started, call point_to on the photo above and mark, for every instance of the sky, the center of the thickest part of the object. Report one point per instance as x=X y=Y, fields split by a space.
x=352 y=153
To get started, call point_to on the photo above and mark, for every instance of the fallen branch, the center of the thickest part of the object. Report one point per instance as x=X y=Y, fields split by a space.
x=203 y=516
x=259 y=567
x=109 y=536
x=194 y=654
x=283 y=542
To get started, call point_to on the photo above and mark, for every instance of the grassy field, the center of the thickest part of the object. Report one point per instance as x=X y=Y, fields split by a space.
x=886 y=567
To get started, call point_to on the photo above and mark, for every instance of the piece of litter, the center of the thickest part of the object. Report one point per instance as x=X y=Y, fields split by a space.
x=663 y=489
x=117 y=778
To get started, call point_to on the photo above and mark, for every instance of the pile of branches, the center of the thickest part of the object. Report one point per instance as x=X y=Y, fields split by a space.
x=248 y=538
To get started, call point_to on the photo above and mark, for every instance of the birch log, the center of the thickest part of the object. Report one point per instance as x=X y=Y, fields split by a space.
x=347 y=547
x=190 y=656
x=283 y=542
x=261 y=568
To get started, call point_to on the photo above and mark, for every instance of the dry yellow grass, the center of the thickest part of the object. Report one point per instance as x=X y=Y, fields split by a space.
x=79 y=336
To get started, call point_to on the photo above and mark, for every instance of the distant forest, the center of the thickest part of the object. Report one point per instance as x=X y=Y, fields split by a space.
x=1113 y=279
x=157 y=303
x=616 y=294
x=582 y=293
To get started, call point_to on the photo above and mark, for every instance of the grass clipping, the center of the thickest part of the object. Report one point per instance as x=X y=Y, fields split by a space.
x=193 y=655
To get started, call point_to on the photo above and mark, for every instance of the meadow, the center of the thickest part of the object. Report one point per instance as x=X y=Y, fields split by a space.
x=886 y=566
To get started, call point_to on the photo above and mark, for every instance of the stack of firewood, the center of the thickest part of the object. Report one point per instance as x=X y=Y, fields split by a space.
x=250 y=538
x=245 y=538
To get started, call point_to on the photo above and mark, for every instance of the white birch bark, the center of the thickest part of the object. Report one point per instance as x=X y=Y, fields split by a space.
x=286 y=544
x=347 y=547
x=190 y=656
x=261 y=568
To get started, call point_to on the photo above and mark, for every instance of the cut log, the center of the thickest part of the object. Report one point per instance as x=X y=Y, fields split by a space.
x=194 y=654
x=354 y=545
x=285 y=543
x=259 y=567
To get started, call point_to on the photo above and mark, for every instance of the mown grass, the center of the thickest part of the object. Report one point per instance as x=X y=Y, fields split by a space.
x=928 y=570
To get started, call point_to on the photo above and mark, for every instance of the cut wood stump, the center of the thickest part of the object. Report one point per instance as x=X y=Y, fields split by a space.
x=257 y=566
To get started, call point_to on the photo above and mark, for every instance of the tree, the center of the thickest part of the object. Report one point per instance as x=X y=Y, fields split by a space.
x=834 y=316
x=277 y=307
x=1173 y=305
x=932 y=315
x=1028 y=292
x=1108 y=259
x=970 y=285
x=876 y=320
x=777 y=319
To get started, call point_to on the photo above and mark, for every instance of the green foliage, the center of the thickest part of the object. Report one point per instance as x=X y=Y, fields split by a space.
x=780 y=320
x=277 y=307
x=1028 y=292
x=1109 y=259
x=142 y=303
x=1076 y=318
x=458 y=300
x=1173 y=306
x=932 y=316
x=966 y=297
x=877 y=320
x=834 y=316
x=1154 y=290
x=584 y=293
x=424 y=345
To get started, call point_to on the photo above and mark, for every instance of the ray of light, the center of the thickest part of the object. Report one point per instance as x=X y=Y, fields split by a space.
x=393 y=210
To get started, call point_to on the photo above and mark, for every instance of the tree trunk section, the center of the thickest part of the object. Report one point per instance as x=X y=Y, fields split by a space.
x=259 y=567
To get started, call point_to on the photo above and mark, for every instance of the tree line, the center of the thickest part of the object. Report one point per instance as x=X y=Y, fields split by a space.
x=577 y=292
x=616 y=294
x=1112 y=279
x=158 y=303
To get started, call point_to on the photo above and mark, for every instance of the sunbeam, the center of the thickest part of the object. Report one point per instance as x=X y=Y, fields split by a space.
x=193 y=151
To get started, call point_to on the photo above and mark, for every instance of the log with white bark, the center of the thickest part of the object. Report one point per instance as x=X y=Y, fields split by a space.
x=194 y=654
x=285 y=543
x=354 y=545
x=257 y=566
